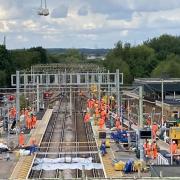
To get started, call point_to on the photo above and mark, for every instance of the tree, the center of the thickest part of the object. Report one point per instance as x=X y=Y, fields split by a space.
x=3 y=78
x=164 y=45
x=140 y=57
x=137 y=61
x=24 y=59
x=73 y=56
x=43 y=54
x=6 y=66
x=5 y=60
x=112 y=63
x=170 y=67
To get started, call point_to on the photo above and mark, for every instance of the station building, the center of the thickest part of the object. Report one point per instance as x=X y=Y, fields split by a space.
x=156 y=92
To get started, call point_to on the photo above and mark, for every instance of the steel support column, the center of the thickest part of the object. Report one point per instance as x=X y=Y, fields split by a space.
x=141 y=121
x=17 y=96
x=117 y=92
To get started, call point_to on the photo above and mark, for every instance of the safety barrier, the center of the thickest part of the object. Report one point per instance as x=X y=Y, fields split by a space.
x=161 y=160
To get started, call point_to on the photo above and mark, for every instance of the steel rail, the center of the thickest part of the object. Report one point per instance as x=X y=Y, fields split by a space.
x=61 y=140
x=50 y=137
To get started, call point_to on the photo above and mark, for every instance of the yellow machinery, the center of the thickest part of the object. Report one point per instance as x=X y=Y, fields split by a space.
x=174 y=134
x=93 y=88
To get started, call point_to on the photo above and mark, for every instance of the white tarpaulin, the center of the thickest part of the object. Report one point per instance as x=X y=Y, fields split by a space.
x=3 y=146
x=65 y=163
x=63 y=160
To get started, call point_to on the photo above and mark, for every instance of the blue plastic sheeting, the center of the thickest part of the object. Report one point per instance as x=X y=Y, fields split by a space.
x=63 y=163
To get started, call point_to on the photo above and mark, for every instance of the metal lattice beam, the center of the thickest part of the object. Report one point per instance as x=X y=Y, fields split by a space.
x=69 y=68
x=68 y=79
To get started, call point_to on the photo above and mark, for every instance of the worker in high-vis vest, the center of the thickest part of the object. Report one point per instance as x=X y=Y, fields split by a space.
x=87 y=117
x=101 y=123
x=173 y=148
x=21 y=139
x=33 y=120
x=154 y=150
x=154 y=130
x=147 y=149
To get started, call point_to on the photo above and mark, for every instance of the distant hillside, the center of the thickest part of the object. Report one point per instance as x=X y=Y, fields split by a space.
x=98 y=52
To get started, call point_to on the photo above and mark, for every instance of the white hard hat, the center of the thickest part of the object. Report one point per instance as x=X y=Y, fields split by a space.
x=174 y=142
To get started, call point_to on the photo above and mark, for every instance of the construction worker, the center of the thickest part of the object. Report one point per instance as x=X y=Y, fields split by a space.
x=21 y=139
x=33 y=146
x=86 y=117
x=22 y=119
x=97 y=112
x=101 y=123
x=154 y=130
x=96 y=104
x=118 y=123
x=97 y=116
x=12 y=113
x=102 y=105
x=34 y=120
x=29 y=122
x=148 y=121
x=173 y=147
x=147 y=149
x=103 y=147
x=26 y=113
x=81 y=93
x=103 y=114
x=154 y=150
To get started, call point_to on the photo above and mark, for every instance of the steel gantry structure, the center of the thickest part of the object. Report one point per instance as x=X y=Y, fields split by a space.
x=66 y=76
x=69 y=68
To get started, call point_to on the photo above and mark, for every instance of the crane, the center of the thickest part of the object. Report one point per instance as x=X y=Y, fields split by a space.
x=43 y=11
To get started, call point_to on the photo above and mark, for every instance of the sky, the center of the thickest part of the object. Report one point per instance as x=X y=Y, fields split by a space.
x=86 y=23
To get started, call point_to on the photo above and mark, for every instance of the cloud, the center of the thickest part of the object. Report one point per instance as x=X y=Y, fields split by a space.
x=80 y=23
x=83 y=11
x=60 y=12
x=123 y=9
x=22 y=38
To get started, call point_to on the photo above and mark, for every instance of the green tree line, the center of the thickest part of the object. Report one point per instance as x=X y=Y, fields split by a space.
x=157 y=57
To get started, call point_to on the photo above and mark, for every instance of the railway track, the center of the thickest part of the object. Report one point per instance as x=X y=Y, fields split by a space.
x=68 y=137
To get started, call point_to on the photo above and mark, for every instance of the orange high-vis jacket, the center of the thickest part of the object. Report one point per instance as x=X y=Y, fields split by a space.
x=101 y=123
x=12 y=113
x=86 y=117
x=97 y=112
x=103 y=113
x=148 y=121
x=154 y=150
x=118 y=124
x=147 y=149
x=154 y=130
x=96 y=105
x=29 y=122
x=34 y=120
x=21 y=139
x=173 y=148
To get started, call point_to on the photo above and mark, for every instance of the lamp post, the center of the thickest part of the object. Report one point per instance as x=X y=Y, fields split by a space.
x=162 y=106
x=162 y=102
x=140 y=126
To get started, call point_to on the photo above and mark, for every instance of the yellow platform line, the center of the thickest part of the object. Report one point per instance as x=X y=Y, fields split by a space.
x=107 y=159
x=24 y=165
x=108 y=163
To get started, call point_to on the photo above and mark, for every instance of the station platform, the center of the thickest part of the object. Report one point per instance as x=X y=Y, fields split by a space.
x=107 y=160
x=23 y=166
x=162 y=144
